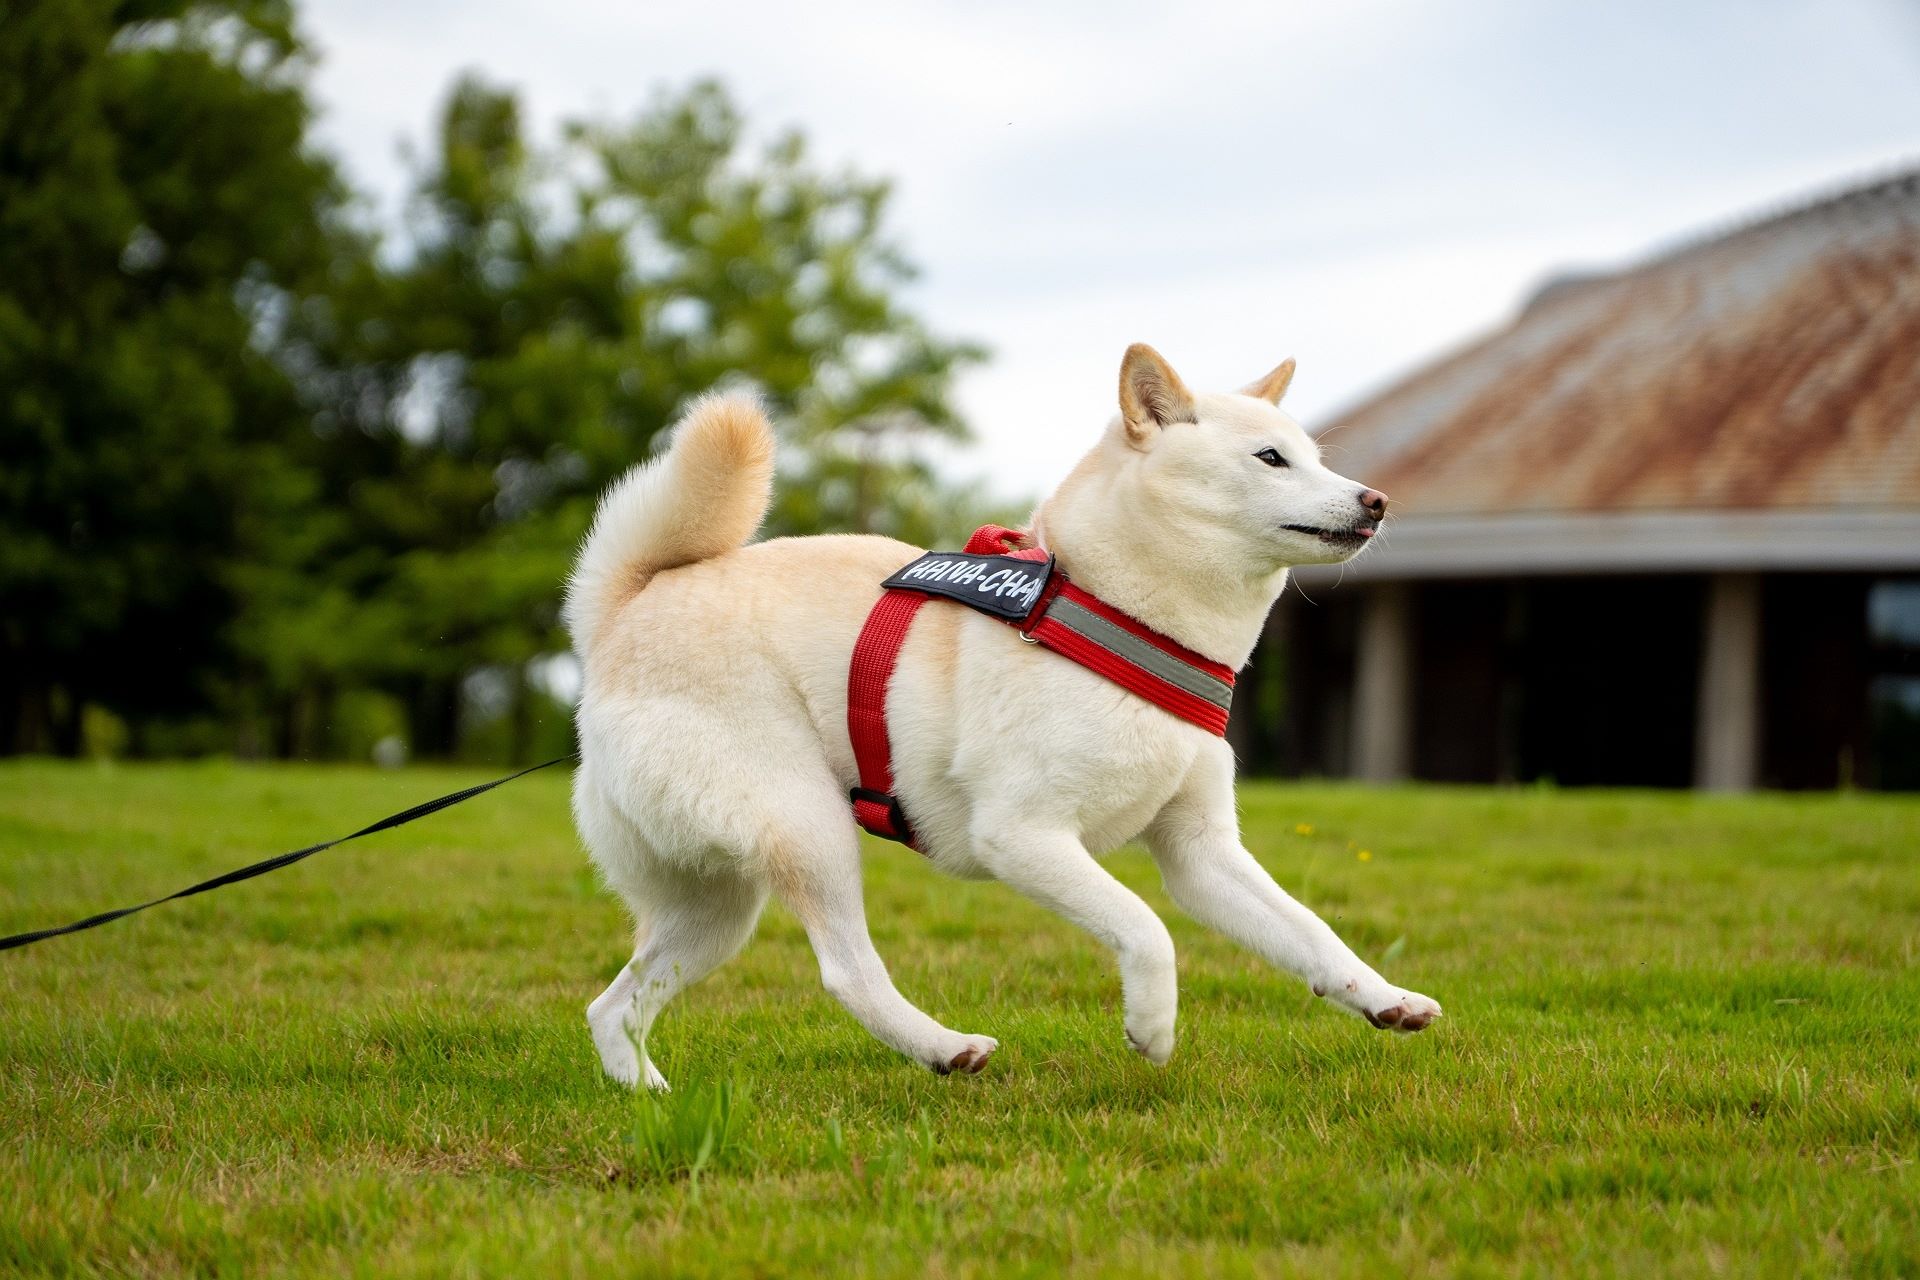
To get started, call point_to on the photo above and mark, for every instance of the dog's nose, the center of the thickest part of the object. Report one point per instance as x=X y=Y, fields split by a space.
x=1375 y=502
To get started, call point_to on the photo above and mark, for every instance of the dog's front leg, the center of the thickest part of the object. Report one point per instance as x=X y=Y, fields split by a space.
x=1196 y=842
x=1054 y=869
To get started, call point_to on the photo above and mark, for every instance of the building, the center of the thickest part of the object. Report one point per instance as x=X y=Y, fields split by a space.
x=1662 y=530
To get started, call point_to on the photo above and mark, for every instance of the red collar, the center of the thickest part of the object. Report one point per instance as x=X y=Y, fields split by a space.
x=1073 y=623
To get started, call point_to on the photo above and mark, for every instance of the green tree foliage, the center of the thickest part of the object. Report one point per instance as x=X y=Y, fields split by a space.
x=556 y=307
x=265 y=488
x=156 y=199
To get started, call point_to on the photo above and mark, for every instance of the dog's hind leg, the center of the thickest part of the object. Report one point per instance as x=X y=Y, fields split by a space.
x=814 y=864
x=693 y=924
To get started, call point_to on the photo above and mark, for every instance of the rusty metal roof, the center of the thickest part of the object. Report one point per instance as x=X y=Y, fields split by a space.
x=1773 y=367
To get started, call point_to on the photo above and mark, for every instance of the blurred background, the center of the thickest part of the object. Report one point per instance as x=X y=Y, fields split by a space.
x=322 y=324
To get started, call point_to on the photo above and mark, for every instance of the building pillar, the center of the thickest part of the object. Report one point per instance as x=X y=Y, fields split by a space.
x=1726 y=752
x=1383 y=686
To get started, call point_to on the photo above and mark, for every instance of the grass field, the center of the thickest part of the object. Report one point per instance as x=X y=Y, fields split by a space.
x=1682 y=1037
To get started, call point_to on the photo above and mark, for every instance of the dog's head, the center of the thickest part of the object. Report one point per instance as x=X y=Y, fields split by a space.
x=1230 y=473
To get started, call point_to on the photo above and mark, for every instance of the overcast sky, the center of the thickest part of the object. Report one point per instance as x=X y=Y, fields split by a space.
x=1359 y=185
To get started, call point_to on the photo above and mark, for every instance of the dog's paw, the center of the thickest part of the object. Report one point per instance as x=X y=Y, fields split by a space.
x=634 y=1072
x=621 y=1063
x=970 y=1057
x=1411 y=1012
x=1156 y=1046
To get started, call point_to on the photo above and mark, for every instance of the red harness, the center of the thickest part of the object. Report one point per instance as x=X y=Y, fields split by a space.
x=1063 y=618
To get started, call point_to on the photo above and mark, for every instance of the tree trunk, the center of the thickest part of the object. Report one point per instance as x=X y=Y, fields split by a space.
x=64 y=721
x=326 y=743
x=13 y=718
x=434 y=715
x=520 y=719
x=286 y=733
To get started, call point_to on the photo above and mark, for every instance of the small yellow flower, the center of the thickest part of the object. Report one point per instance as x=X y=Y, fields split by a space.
x=1303 y=829
x=1366 y=855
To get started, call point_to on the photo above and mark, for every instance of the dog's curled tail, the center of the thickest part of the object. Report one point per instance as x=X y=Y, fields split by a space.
x=703 y=499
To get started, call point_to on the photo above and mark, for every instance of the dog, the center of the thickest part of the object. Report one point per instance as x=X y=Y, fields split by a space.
x=715 y=758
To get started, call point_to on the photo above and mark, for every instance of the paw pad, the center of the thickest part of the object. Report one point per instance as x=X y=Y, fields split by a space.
x=1404 y=1016
x=969 y=1060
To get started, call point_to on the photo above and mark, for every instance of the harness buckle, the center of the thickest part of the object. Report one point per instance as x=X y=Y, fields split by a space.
x=1038 y=614
x=897 y=827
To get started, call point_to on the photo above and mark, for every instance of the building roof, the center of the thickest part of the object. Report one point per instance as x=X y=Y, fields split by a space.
x=1739 y=390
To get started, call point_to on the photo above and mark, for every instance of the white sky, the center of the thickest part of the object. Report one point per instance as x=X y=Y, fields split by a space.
x=1360 y=185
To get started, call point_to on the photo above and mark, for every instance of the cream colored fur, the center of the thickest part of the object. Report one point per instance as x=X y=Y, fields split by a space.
x=715 y=761
x=703 y=499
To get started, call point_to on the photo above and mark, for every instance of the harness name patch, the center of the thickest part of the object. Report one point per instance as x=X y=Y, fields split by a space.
x=999 y=585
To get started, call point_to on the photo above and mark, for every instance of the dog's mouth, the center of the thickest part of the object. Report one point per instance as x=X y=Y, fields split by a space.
x=1353 y=537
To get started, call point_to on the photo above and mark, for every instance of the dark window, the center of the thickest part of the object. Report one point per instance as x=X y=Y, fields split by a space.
x=1814 y=674
x=1893 y=694
x=1607 y=673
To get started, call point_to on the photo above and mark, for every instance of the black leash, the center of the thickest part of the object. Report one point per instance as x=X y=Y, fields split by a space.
x=400 y=819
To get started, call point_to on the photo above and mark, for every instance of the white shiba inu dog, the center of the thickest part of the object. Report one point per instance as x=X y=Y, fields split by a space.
x=715 y=755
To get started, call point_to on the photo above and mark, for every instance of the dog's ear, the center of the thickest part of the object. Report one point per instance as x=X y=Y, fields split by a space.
x=1151 y=395
x=1274 y=385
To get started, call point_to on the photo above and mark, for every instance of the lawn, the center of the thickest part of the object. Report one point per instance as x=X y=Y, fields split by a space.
x=1682 y=1037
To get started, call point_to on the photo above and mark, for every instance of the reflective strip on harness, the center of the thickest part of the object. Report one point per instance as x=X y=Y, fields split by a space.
x=1065 y=619
x=1097 y=636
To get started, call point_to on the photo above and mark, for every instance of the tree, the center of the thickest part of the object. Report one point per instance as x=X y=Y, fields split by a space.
x=263 y=484
x=559 y=306
x=158 y=203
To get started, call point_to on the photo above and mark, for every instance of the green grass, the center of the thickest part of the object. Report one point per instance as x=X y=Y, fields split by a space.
x=1682 y=1036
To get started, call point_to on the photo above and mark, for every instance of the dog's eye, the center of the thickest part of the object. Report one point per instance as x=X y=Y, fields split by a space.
x=1271 y=456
